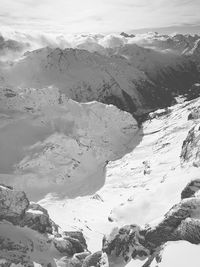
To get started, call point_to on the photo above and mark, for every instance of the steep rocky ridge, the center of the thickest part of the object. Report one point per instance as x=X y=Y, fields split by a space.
x=133 y=78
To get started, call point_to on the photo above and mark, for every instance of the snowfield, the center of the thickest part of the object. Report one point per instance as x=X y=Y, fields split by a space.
x=129 y=195
x=93 y=129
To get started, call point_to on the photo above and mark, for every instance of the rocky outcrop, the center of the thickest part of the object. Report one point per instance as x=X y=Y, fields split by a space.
x=85 y=259
x=127 y=35
x=193 y=92
x=190 y=153
x=28 y=235
x=194 y=114
x=97 y=259
x=37 y=218
x=180 y=223
x=191 y=189
x=76 y=238
x=13 y=204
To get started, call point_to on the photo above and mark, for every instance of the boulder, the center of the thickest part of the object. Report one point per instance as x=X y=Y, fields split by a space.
x=190 y=189
x=190 y=153
x=75 y=261
x=97 y=259
x=37 y=221
x=194 y=114
x=13 y=204
x=75 y=235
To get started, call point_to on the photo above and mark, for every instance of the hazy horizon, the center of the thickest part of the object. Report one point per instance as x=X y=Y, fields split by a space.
x=101 y=16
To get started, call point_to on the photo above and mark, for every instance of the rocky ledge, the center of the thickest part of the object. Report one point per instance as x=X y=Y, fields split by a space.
x=181 y=222
x=28 y=236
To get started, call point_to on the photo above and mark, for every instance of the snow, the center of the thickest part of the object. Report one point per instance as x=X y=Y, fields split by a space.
x=175 y=254
x=57 y=150
x=132 y=196
x=180 y=254
x=61 y=148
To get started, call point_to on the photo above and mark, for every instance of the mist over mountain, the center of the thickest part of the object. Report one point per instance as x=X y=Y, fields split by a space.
x=102 y=132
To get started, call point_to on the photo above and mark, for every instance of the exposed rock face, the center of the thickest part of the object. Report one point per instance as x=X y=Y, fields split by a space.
x=13 y=204
x=191 y=189
x=28 y=235
x=170 y=228
x=37 y=220
x=127 y=35
x=66 y=261
x=77 y=239
x=85 y=259
x=193 y=92
x=97 y=259
x=131 y=241
x=190 y=153
x=11 y=247
x=71 y=243
x=195 y=114
x=170 y=73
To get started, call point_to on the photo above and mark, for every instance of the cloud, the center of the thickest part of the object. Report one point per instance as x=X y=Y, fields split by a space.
x=73 y=16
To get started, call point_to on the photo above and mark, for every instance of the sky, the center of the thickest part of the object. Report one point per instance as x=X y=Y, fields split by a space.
x=100 y=16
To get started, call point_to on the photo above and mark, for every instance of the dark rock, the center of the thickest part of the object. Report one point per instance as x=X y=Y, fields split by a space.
x=93 y=260
x=13 y=204
x=76 y=235
x=127 y=35
x=75 y=261
x=193 y=92
x=190 y=153
x=63 y=246
x=37 y=221
x=77 y=245
x=66 y=261
x=190 y=189
x=177 y=224
x=194 y=114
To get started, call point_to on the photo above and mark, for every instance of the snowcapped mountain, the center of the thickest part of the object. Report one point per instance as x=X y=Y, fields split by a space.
x=111 y=191
x=133 y=78
x=177 y=43
x=167 y=70
x=80 y=75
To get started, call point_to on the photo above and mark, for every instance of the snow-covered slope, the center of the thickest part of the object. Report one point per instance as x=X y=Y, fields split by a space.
x=80 y=75
x=139 y=188
x=53 y=144
x=132 y=78
x=166 y=69
x=89 y=164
